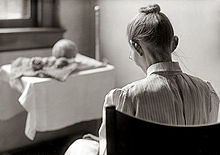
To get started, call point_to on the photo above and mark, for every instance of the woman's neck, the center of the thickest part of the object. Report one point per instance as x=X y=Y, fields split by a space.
x=153 y=55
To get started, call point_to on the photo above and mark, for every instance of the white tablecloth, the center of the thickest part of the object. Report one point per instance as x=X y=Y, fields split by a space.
x=53 y=105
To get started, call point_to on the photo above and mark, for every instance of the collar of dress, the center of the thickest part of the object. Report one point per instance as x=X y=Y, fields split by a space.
x=164 y=67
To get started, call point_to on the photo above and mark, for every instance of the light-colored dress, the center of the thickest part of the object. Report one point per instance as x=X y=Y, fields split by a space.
x=166 y=95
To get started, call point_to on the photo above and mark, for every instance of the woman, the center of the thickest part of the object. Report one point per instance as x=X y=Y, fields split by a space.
x=166 y=95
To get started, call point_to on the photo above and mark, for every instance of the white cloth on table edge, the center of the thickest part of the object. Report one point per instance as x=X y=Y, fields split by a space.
x=101 y=77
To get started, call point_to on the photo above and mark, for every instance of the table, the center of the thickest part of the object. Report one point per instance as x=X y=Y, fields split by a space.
x=53 y=105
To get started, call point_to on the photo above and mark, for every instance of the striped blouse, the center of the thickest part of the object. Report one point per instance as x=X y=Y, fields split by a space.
x=166 y=95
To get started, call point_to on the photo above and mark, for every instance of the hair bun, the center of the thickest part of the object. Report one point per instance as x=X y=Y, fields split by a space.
x=155 y=8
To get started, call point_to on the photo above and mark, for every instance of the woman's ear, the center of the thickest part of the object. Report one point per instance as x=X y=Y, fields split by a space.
x=137 y=47
x=174 y=44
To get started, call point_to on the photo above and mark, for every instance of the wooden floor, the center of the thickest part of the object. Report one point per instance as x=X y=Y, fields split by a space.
x=44 y=142
x=53 y=147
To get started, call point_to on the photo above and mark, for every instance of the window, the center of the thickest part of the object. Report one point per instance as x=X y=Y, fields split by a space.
x=14 y=9
x=28 y=24
x=18 y=13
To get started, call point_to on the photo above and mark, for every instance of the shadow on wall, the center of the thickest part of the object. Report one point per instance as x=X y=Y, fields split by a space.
x=196 y=22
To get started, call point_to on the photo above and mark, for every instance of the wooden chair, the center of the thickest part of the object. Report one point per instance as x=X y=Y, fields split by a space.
x=127 y=135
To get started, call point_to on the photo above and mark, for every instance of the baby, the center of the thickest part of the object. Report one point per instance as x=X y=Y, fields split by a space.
x=62 y=51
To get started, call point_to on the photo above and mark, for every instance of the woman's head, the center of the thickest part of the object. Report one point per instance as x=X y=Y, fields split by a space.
x=151 y=32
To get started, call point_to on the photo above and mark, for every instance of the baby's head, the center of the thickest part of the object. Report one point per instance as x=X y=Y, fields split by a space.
x=64 y=48
x=154 y=28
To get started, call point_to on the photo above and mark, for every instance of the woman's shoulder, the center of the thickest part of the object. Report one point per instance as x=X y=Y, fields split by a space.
x=195 y=78
x=146 y=84
x=199 y=81
x=116 y=92
x=202 y=84
x=135 y=84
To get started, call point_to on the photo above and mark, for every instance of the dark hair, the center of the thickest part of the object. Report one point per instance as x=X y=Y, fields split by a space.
x=151 y=26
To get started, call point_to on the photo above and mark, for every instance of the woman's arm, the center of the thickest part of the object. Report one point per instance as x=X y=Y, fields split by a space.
x=214 y=112
x=112 y=98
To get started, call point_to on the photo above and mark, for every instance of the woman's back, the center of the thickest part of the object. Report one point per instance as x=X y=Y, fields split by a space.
x=168 y=95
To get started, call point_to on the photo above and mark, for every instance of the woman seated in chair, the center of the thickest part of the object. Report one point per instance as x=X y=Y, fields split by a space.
x=166 y=95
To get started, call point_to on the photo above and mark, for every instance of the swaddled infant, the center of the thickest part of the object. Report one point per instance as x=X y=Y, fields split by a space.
x=62 y=51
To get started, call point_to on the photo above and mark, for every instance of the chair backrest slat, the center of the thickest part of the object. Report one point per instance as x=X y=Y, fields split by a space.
x=128 y=135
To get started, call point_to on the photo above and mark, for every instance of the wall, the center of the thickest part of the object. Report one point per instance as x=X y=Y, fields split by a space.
x=77 y=17
x=195 y=22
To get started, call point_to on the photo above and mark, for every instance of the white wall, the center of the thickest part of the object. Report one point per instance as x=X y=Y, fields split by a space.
x=77 y=17
x=196 y=22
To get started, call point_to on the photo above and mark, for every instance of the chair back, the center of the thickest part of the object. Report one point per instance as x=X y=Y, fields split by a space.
x=127 y=135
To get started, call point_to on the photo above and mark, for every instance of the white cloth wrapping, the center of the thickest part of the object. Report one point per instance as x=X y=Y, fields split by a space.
x=83 y=147
x=53 y=105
